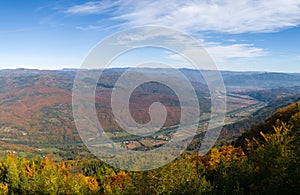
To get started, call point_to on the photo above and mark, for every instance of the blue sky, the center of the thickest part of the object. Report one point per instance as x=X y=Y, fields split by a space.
x=246 y=35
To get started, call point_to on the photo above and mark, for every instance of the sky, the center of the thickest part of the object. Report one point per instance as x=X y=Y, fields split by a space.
x=244 y=35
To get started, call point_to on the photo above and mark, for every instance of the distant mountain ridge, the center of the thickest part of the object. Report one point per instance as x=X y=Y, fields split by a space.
x=231 y=78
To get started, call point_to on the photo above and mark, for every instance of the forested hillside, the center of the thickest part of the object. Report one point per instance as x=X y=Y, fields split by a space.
x=36 y=106
x=265 y=160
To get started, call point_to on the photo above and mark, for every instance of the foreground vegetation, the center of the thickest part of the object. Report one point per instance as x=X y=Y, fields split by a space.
x=263 y=161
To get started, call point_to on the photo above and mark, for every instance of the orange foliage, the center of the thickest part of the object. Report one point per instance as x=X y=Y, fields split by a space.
x=226 y=153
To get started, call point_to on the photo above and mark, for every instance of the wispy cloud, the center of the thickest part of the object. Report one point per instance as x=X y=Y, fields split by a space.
x=98 y=27
x=194 y=16
x=218 y=51
x=221 y=53
x=17 y=30
x=93 y=7
x=13 y=30
x=201 y=15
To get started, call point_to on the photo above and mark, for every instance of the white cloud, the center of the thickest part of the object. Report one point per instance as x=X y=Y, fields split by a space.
x=193 y=16
x=227 y=16
x=92 y=7
x=151 y=35
x=221 y=53
x=98 y=27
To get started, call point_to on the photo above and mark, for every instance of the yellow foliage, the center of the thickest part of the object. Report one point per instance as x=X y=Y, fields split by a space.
x=3 y=189
x=226 y=153
x=62 y=167
x=91 y=183
x=214 y=158
x=116 y=182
